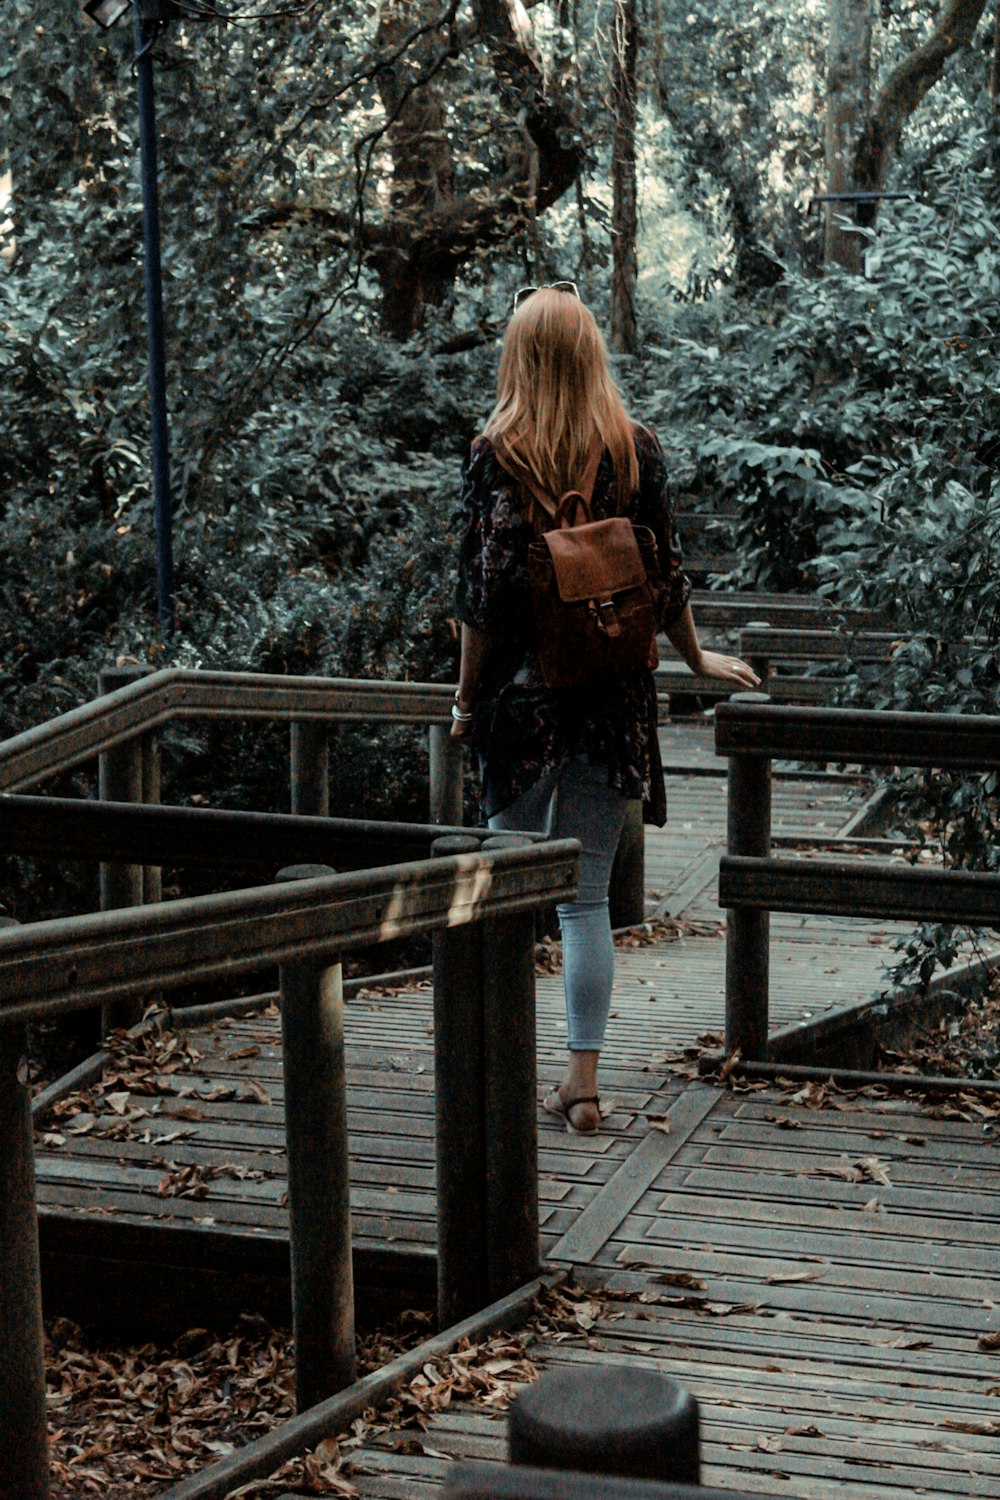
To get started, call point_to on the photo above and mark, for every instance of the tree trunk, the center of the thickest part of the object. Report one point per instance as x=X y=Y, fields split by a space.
x=995 y=64
x=625 y=51
x=862 y=138
x=422 y=173
x=905 y=88
x=431 y=233
x=848 y=108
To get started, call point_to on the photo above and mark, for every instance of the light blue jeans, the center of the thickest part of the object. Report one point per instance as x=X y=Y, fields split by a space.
x=574 y=801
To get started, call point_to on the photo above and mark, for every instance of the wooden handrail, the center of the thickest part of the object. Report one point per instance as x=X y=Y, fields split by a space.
x=849 y=888
x=120 y=727
x=304 y=925
x=208 y=837
x=818 y=644
x=751 y=731
x=70 y=963
x=749 y=725
x=159 y=697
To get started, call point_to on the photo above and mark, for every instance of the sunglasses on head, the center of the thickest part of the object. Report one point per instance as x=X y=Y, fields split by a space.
x=552 y=286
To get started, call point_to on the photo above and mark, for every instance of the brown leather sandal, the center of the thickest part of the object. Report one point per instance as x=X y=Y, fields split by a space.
x=553 y=1102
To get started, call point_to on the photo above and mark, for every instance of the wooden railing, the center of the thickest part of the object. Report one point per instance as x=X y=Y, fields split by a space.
x=476 y=893
x=480 y=904
x=120 y=727
x=752 y=731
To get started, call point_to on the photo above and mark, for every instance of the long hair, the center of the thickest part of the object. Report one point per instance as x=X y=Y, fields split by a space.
x=556 y=395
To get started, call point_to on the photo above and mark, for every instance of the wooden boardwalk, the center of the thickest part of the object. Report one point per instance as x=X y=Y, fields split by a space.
x=121 y=1160
x=818 y=1277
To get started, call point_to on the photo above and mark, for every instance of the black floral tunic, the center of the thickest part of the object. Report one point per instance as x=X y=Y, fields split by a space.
x=521 y=727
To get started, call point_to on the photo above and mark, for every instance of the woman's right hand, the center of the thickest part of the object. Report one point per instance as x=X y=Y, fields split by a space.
x=728 y=668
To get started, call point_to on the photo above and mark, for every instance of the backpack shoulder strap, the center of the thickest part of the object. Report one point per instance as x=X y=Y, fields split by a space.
x=566 y=510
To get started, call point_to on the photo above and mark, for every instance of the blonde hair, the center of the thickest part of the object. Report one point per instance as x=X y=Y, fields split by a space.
x=556 y=395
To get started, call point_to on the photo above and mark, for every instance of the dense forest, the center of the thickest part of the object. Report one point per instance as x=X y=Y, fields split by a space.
x=350 y=194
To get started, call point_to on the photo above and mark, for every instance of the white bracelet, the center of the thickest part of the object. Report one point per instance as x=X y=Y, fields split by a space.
x=458 y=715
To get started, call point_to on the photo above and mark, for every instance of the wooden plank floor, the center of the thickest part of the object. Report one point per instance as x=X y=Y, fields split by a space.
x=828 y=1327
x=818 y=1278
x=222 y=1115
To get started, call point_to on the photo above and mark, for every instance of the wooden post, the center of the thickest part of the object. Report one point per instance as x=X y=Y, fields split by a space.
x=120 y=779
x=460 y=1135
x=627 y=890
x=511 y=1075
x=446 y=803
x=319 y=1211
x=152 y=875
x=310 y=763
x=24 y=1457
x=761 y=663
x=748 y=930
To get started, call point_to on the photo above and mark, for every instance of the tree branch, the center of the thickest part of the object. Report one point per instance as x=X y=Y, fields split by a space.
x=905 y=88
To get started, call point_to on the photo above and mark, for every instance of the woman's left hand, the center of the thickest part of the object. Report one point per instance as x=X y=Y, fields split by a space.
x=728 y=668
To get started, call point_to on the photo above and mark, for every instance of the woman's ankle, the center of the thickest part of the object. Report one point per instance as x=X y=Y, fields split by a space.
x=579 y=1079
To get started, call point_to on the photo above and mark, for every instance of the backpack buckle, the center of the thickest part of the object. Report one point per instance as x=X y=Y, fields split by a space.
x=605 y=616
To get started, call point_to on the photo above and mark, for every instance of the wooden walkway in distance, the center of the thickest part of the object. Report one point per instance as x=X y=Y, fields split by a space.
x=818 y=1278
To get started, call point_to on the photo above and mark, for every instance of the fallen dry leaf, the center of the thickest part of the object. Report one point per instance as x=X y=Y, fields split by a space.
x=253 y=1093
x=680 y=1278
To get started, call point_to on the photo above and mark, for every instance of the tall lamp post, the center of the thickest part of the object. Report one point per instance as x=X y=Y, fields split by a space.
x=147 y=15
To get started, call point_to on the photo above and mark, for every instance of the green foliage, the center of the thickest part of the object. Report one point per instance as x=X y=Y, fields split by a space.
x=852 y=425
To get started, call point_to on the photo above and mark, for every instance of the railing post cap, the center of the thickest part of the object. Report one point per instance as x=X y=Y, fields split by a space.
x=455 y=843
x=748 y=697
x=612 y=1420
x=304 y=872
x=507 y=841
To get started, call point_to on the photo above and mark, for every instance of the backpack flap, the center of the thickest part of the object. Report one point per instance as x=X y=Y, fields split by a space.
x=595 y=561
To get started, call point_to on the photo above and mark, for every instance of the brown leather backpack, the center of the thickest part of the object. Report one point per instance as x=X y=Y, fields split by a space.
x=594 y=586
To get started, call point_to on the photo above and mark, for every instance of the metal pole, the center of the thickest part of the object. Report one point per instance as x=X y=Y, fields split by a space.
x=748 y=929
x=511 y=1081
x=319 y=1211
x=145 y=35
x=120 y=779
x=445 y=777
x=24 y=1457
x=460 y=1137
x=310 y=762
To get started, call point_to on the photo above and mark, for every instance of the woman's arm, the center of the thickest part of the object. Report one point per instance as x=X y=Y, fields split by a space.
x=474 y=645
x=683 y=636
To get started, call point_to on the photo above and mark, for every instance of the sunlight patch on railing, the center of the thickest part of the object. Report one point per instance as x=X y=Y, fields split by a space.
x=472 y=886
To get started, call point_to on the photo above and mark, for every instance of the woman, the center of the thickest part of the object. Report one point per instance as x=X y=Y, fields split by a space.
x=563 y=762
